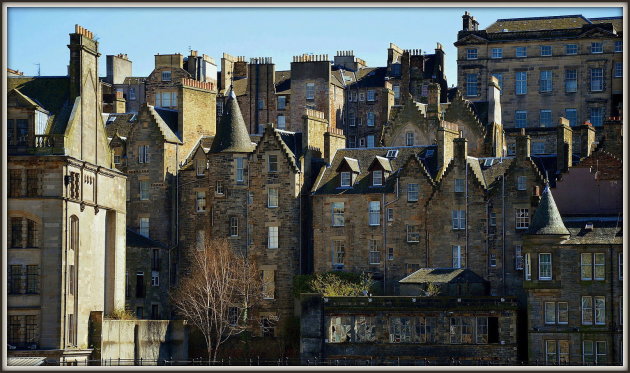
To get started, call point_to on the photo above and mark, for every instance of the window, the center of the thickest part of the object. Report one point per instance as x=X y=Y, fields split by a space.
x=471 y=85
x=497 y=52
x=166 y=99
x=32 y=279
x=545 y=118
x=600 y=310
x=15 y=279
x=261 y=104
x=556 y=352
x=282 y=102
x=409 y=141
x=396 y=69
x=521 y=82
x=399 y=330
x=546 y=81
x=233 y=226
x=240 y=170
x=31 y=233
x=200 y=201
x=352 y=141
x=282 y=124
x=571 y=115
x=201 y=240
x=155 y=312
x=72 y=279
x=272 y=197
x=371 y=95
x=370 y=141
x=375 y=213
x=412 y=192
x=482 y=330
x=571 y=49
x=32 y=183
x=15 y=183
x=144 y=189
x=425 y=90
x=563 y=312
x=493 y=219
x=155 y=278
x=618 y=46
x=338 y=219
x=597 y=116
x=522 y=218
x=132 y=93
x=413 y=233
x=597 y=79
x=390 y=214
x=377 y=178
x=538 y=147
x=144 y=227
x=374 y=252
x=592 y=266
x=570 y=81
x=200 y=166
x=518 y=257
x=544 y=266
x=362 y=142
x=471 y=53
x=370 y=119
x=269 y=284
x=492 y=261
x=459 y=219
x=521 y=52
x=390 y=253
x=545 y=50
x=339 y=252
x=597 y=47
x=233 y=316
x=556 y=313
x=139 y=312
x=520 y=118
x=273 y=163
x=459 y=185
x=594 y=352
x=361 y=96
x=219 y=107
x=310 y=91
x=166 y=76
x=143 y=154
x=16 y=232
x=528 y=267
x=458 y=260
x=155 y=259
x=411 y=268
x=521 y=183
x=396 y=90
x=272 y=242
x=219 y=188
x=140 y=291
x=352 y=119
x=267 y=328
x=618 y=71
x=116 y=159
x=345 y=179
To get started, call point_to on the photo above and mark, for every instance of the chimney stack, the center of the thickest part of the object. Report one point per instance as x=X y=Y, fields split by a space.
x=460 y=148
x=522 y=146
x=494 y=101
x=564 y=145
x=587 y=138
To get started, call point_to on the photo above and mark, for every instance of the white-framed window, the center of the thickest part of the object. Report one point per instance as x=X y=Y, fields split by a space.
x=597 y=116
x=339 y=252
x=556 y=352
x=272 y=197
x=219 y=107
x=375 y=213
x=593 y=309
x=522 y=218
x=556 y=313
x=460 y=185
x=377 y=178
x=521 y=82
x=362 y=142
x=272 y=163
x=396 y=89
x=282 y=102
x=346 y=178
x=200 y=166
x=563 y=312
x=571 y=49
x=144 y=190
x=412 y=192
x=521 y=183
x=233 y=226
x=592 y=266
x=272 y=241
x=546 y=81
x=370 y=141
x=544 y=266
x=457 y=255
x=390 y=253
x=219 y=188
x=338 y=210
x=520 y=118
x=116 y=159
x=361 y=96
x=518 y=257
x=497 y=53
x=352 y=119
x=390 y=214
x=600 y=310
x=471 y=85
x=597 y=47
x=550 y=312
x=370 y=119
x=282 y=123
x=200 y=240
x=521 y=52
x=459 y=219
x=413 y=233
x=166 y=99
x=155 y=278
x=618 y=70
x=594 y=352
x=618 y=46
x=538 y=147
x=144 y=227
x=240 y=170
x=200 y=201
x=409 y=140
x=570 y=80
x=374 y=252
x=545 y=118
x=143 y=154
x=597 y=79
x=528 y=267
x=166 y=76
x=545 y=50
x=371 y=95
x=310 y=91
x=571 y=115
x=493 y=219
x=492 y=260
x=471 y=53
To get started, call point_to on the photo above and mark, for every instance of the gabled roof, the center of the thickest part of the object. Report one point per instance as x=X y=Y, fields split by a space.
x=232 y=135
x=442 y=275
x=119 y=123
x=380 y=162
x=606 y=230
x=547 y=219
x=137 y=240
x=166 y=130
x=617 y=22
x=351 y=163
x=270 y=131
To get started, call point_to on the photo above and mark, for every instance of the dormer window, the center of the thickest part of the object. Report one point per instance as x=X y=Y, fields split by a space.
x=377 y=178
x=348 y=170
x=380 y=168
x=166 y=76
x=346 y=179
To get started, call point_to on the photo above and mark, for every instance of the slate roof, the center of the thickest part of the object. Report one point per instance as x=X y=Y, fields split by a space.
x=293 y=141
x=328 y=182
x=370 y=77
x=161 y=117
x=121 y=123
x=232 y=135
x=606 y=230
x=137 y=240
x=283 y=82
x=133 y=80
x=616 y=21
x=547 y=164
x=441 y=275
x=547 y=219
x=499 y=167
x=538 y=23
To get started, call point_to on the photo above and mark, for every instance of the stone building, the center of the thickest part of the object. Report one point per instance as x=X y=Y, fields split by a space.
x=547 y=67
x=66 y=210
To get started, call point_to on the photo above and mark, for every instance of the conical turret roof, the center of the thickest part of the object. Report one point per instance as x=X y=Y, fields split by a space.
x=232 y=135
x=547 y=219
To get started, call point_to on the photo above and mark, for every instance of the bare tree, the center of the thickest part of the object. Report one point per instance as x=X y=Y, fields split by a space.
x=219 y=292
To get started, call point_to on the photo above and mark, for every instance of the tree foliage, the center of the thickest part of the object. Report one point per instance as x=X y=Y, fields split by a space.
x=337 y=284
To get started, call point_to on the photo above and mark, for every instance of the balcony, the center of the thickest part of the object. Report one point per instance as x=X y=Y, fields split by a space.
x=36 y=145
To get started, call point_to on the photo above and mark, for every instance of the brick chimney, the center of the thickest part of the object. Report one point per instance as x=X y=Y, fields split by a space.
x=445 y=136
x=587 y=138
x=613 y=135
x=494 y=101
x=564 y=145
x=523 y=146
x=460 y=148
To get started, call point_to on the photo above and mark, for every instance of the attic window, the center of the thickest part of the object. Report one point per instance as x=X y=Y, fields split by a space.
x=345 y=179
x=166 y=76
x=428 y=153
x=588 y=226
x=488 y=162
x=377 y=178
x=392 y=154
x=111 y=118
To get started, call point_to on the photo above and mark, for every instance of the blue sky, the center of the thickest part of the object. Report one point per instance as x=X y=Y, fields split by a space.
x=40 y=35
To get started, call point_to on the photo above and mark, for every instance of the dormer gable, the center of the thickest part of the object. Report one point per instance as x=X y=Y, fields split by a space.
x=348 y=171
x=379 y=169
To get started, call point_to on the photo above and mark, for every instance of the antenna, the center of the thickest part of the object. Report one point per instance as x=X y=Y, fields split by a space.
x=39 y=72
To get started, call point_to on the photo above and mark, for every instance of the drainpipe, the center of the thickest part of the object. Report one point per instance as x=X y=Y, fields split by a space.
x=503 y=228
x=466 y=247
x=385 y=248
